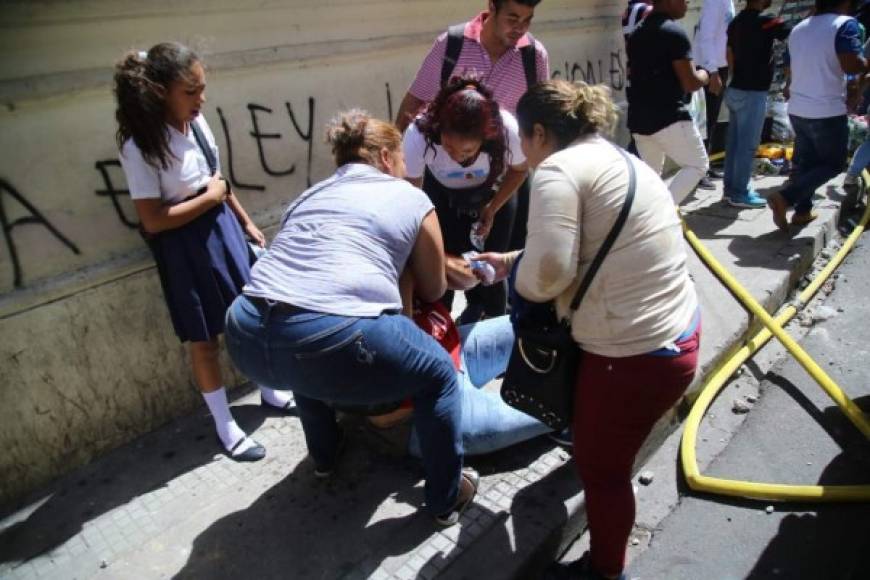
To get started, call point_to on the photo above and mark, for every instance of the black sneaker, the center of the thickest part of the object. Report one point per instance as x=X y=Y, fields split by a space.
x=324 y=471
x=852 y=193
x=468 y=482
x=705 y=183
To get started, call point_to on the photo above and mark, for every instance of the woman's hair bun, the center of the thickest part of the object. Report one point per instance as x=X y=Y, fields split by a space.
x=347 y=130
x=357 y=137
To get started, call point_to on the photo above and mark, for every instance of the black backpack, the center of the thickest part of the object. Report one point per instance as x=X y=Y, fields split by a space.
x=455 y=38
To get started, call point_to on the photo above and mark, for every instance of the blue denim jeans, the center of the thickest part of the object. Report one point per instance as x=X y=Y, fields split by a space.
x=746 y=111
x=820 y=151
x=326 y=358
x=488 y=423
x=860 y=160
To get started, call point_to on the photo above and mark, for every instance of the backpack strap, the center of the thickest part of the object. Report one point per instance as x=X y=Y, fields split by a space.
x=528 y=53
x=455 y=39
x=204 y=147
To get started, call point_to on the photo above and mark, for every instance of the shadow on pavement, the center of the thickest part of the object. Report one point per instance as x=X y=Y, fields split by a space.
x=344 y=527
x=805 y=540
x=750 y=251
x=803 y=545
x=142 y=466
x=836 y=425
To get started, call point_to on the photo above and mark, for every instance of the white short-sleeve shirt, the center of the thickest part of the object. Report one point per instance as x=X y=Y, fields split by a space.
x=187 y=173
x=447 y=171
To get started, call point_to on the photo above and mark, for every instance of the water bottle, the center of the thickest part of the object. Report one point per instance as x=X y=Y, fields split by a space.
x=485 y=268
x=477 y=240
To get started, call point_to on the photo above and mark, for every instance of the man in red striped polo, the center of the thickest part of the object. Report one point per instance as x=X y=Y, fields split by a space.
x=491 y=49
x=495 y=46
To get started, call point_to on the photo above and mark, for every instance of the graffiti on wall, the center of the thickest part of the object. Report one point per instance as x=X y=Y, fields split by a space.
x=256 y=111
x=609 y=70
x=113 y=192
x=33 y=217
x=275 y=132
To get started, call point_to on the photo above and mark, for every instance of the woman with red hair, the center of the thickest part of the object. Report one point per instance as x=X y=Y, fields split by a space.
x=464 y=151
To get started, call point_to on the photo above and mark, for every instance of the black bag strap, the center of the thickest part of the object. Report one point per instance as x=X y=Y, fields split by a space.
x=203 y=145
x=529 y=65
x=455 y=39
x=611 y=237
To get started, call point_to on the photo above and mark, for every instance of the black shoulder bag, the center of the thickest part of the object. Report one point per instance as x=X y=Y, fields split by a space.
x=541 y=374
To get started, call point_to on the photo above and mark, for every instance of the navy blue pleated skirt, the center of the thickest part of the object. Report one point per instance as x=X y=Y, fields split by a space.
x=203 y=266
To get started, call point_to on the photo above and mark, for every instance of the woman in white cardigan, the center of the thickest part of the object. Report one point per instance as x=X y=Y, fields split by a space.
x=638 y=324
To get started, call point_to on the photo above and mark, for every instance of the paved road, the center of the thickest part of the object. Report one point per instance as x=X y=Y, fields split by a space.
x=794 y=434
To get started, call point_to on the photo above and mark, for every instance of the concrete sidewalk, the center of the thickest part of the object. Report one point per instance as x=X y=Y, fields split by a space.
x=169 y=505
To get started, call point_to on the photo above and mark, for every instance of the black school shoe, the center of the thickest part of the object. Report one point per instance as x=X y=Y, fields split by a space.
x=288 y=408
x=254 y=453
x=468 y=483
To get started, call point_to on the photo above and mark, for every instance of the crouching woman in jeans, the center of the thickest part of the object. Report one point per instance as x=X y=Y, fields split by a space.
x=638 y=323
x=322 y=313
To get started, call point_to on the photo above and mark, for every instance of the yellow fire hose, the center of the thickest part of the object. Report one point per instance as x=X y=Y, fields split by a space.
x=717 y=380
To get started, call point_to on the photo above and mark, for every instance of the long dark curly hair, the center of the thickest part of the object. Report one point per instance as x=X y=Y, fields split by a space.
x=465 y=107
x=141 y=84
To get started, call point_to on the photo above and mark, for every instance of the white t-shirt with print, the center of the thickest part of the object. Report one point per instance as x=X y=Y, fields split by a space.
x=187 y=173
x=447 y=171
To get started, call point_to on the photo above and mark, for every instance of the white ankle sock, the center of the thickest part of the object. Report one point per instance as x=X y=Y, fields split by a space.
x=275 y=398
x=227 y=429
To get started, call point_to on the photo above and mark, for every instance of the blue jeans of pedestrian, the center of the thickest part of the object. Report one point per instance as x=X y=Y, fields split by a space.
x=746 y=111
x=488 y=423
x=324 y=358
x=860 y=160
x=820 y=151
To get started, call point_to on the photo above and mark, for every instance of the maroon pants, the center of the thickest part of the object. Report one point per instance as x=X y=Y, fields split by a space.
x=618 y=400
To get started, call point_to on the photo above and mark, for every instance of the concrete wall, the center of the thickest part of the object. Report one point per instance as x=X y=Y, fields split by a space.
x=87 y=357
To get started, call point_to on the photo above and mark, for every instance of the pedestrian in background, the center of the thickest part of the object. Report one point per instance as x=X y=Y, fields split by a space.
x=750 y=54
x=194 y=224
x=822 y=49
x=709 y=52
x=662 y=78
x=634 y=14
